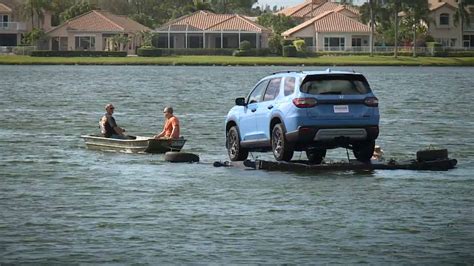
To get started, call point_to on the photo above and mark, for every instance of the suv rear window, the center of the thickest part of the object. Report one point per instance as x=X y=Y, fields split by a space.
x=335 y=84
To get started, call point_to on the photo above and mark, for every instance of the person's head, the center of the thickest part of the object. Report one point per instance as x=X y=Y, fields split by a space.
x=168 y=112
x=109 y=108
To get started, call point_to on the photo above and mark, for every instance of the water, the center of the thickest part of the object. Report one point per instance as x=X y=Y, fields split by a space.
x=60 y=202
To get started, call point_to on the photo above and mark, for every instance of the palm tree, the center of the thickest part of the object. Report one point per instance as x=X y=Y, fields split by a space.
x=461 y=16
x=417 y=11
x=35 y=7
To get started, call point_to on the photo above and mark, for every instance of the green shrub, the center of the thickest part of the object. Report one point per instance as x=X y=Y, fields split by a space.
x=149 y=52
x=285 y=42
x=300 y=45
x=43 y=53
x=435 y=49
x=245 y=45
x=289 y=51
x=23 y=50
x=252 y=52
x=460 y=53
x=197 y=51
x=274 y=43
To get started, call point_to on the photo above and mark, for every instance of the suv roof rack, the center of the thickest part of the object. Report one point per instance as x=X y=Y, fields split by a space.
x=286 y=71
x=329 y=70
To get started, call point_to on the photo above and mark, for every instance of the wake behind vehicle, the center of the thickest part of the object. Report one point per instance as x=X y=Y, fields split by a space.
x=309 y=111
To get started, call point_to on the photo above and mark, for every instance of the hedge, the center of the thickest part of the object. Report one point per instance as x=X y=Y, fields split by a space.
x=149 y=52
x=289 y=51
x=78 y=54
x=252 y=52
x=197 y=51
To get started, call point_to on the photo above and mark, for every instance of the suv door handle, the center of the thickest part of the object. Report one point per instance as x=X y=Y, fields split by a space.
x=253 y=110
x=270 y=107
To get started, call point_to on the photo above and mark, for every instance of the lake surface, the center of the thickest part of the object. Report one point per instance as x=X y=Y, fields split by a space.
x=60 y=202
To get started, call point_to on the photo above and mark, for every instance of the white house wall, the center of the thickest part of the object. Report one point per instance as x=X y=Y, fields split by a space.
x=445 y=32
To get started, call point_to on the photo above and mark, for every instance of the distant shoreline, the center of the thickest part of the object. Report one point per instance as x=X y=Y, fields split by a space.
x=242 y=61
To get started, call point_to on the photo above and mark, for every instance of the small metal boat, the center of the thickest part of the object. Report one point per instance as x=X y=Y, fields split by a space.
x=135 y=144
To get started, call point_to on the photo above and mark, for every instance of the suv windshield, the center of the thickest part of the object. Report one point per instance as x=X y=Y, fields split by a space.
x=335 y=84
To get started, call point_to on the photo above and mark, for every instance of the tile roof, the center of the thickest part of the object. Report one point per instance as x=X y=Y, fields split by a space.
x=435 y=5
x=102 y=21
x=208 y=21
x=4 y=8
x=319 y=7
x=331 y=21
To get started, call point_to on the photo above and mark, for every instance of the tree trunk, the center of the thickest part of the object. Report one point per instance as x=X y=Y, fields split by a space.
x=371 y=28
x=414 y=40
x=396 y=35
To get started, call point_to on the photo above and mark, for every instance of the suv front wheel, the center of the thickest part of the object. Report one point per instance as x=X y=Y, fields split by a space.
x=364 y=150
x=282 y=150
x=235 y=151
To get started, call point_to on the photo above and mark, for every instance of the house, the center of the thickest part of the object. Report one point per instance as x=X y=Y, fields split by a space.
x=204 y=29
x=313 y=8
x=11 y=27
x=332 y=31
x=97 y=30
x=443 y=27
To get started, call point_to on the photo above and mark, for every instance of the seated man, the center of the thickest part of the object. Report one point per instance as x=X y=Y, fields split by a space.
x=171 y=128
x=108 y=126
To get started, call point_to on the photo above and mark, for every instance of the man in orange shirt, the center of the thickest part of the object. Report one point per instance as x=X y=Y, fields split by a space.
x=171 y=128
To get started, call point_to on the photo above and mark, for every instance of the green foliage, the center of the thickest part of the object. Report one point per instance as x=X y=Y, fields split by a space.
x=149 y=52
x=78 y=54
x=147 y=38
x=23 y=50
x=198 y=51
x=33 y=37
x=76 y=10
x=300 y=45
x=289 y=51
x=277 y=23
x=245 y=45
x=143 y=19
x=274 y=43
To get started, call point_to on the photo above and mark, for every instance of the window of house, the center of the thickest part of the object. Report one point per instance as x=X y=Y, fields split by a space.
x=334 y=43
x=85 y=43
x=444 y=19
x=4 y=20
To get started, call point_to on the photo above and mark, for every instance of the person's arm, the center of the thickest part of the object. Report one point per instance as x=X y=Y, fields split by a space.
x=160 y=135
x=175 y=130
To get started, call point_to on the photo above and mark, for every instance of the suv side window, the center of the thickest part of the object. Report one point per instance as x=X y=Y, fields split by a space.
x=289 y=85
x=257 y=93
x=273 y=90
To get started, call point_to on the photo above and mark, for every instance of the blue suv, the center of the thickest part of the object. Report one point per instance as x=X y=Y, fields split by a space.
x=309 y=111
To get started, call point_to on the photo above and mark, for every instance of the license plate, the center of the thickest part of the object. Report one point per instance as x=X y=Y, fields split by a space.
x=341 y=109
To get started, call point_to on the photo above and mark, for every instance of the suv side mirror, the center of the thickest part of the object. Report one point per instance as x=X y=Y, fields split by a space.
x=240 y=101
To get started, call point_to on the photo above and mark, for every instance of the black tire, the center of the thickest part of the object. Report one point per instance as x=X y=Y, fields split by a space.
x=181 y=157
x=363 y=151
x=315 y=156
x=282 y=149
x=235 y=151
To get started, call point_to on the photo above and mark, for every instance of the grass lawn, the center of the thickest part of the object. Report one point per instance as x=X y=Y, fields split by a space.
x=242 y=61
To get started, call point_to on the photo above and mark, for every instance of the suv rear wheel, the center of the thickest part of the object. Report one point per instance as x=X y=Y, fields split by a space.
x=364 y=150
x=235 y=151
x=282 y=150
x=315 y=156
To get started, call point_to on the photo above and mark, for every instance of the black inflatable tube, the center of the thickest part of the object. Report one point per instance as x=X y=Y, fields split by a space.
x=181 y=157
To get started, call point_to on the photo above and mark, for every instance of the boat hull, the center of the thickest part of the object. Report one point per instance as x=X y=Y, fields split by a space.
x=137 y=145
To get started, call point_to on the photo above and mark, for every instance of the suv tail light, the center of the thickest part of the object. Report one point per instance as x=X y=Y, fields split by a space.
x=305 y=102
x=371 y=102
